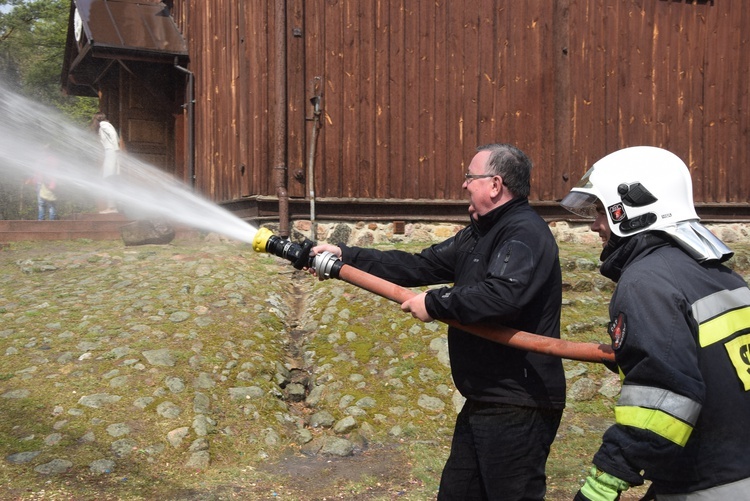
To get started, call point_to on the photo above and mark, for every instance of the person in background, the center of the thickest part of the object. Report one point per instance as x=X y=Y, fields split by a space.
x=680 y=329
x=505 y=270
x=111 y=144
x=45 y=184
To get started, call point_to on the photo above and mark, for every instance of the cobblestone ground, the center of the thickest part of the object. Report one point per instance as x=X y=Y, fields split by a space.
x=202 y=370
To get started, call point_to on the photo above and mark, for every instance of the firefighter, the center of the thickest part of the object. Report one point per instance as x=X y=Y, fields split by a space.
x=680 y=329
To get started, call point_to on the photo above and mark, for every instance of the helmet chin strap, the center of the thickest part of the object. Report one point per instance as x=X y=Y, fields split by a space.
x=698 y=241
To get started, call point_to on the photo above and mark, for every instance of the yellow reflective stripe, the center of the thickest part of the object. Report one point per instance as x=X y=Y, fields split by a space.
x=655 y=421
x=723 y=326
x=674 y=404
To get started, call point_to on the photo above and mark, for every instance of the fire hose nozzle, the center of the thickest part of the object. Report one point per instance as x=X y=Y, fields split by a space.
x=325 y=264
x=260 y=242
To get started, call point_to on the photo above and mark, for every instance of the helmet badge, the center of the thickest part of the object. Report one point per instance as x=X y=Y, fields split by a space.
x=616 y=212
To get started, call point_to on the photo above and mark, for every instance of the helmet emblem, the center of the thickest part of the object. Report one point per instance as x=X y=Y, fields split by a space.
x=616 y=212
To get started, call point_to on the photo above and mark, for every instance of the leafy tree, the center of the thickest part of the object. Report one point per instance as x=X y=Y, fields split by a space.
x=32 y=47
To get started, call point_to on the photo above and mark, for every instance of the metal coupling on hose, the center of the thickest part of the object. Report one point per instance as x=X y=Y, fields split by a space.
x=326 y=265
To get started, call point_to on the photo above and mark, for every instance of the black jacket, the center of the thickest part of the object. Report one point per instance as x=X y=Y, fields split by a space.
x=681 y=333
x=505 y=271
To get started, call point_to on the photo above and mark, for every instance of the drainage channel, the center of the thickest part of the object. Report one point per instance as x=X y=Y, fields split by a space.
x=296 y=376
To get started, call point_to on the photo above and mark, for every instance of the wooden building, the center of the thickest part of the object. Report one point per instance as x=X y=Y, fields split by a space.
x=222 y=93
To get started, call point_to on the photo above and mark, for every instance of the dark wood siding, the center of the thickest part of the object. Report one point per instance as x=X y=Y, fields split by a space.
x=410 y=88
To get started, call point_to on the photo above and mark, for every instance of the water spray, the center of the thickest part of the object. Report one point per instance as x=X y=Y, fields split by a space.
x=31 y=134
x=328 y=265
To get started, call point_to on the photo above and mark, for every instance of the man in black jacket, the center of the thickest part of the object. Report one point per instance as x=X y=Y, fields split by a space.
x=504 y=270
x=680 y=328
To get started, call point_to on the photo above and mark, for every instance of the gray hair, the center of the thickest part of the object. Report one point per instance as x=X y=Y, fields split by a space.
x=512 y=165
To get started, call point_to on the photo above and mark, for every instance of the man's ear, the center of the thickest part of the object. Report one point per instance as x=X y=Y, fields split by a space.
x=497 y=184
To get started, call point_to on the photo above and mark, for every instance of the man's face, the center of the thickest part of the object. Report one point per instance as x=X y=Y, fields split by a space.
x=480 y=189
x=601 y=224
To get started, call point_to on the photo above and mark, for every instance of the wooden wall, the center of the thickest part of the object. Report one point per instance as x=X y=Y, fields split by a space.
x=411 y=87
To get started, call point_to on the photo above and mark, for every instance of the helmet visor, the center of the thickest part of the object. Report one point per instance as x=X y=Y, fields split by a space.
x=580 y=203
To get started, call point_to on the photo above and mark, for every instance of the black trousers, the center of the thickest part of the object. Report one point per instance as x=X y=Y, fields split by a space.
x=499 y=452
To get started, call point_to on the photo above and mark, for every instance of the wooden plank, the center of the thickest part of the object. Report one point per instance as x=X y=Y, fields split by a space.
x=503 y=108
x=260 y=108
x=739 y=170
x=545 y=173
x=241 y=114
x=644 y=129
x=447 y=182
x=665 y=75
x=397 y=63
x=729 y=41
x=232 y=188
x=456 y=150
x=350 y=96
x=712 y=108
x=411 y=178
x=484 y=75
x=365 y=103
x=298 y=104
x=333 y=139
x=382 y=105
x=202 y=96
x=471 y=47
x=314 y=55
x=524 y=69
x=588 y=66
x=564 y=180
x=634 y=76
x=692 y=54
x=428 y=177
x=531 y=123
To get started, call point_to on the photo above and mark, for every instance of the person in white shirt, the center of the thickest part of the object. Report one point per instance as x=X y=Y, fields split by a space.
x=111 y=143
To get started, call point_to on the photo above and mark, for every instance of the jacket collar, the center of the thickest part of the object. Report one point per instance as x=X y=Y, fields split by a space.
x=483 y=224
x=628 y=250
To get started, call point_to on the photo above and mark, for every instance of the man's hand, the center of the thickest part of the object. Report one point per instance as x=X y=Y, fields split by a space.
x=319 y=249
x=417 y=308
x=601 y=486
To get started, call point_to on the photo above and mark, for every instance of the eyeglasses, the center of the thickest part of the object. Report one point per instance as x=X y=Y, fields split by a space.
x=470 y=177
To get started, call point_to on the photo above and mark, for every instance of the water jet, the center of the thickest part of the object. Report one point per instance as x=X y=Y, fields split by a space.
x=31 y=132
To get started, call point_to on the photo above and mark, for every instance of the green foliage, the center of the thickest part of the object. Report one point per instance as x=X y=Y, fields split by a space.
x=32 y=48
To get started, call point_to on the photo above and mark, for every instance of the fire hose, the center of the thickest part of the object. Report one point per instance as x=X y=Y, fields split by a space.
x=328 y=265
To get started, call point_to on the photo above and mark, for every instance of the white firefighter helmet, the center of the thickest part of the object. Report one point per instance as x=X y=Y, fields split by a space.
x=644 y=188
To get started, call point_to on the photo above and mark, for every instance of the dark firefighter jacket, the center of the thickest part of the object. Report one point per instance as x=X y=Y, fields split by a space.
x=681 y=333
x=505 y=270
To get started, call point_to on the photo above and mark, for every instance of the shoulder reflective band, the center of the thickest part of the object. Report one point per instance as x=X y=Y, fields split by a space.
x=722 y=314
x=663 y=412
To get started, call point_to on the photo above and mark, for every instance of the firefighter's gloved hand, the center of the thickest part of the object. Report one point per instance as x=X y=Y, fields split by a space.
x=601 y=486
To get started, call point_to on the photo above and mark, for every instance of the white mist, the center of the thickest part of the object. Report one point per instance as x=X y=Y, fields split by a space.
x=29 y=133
